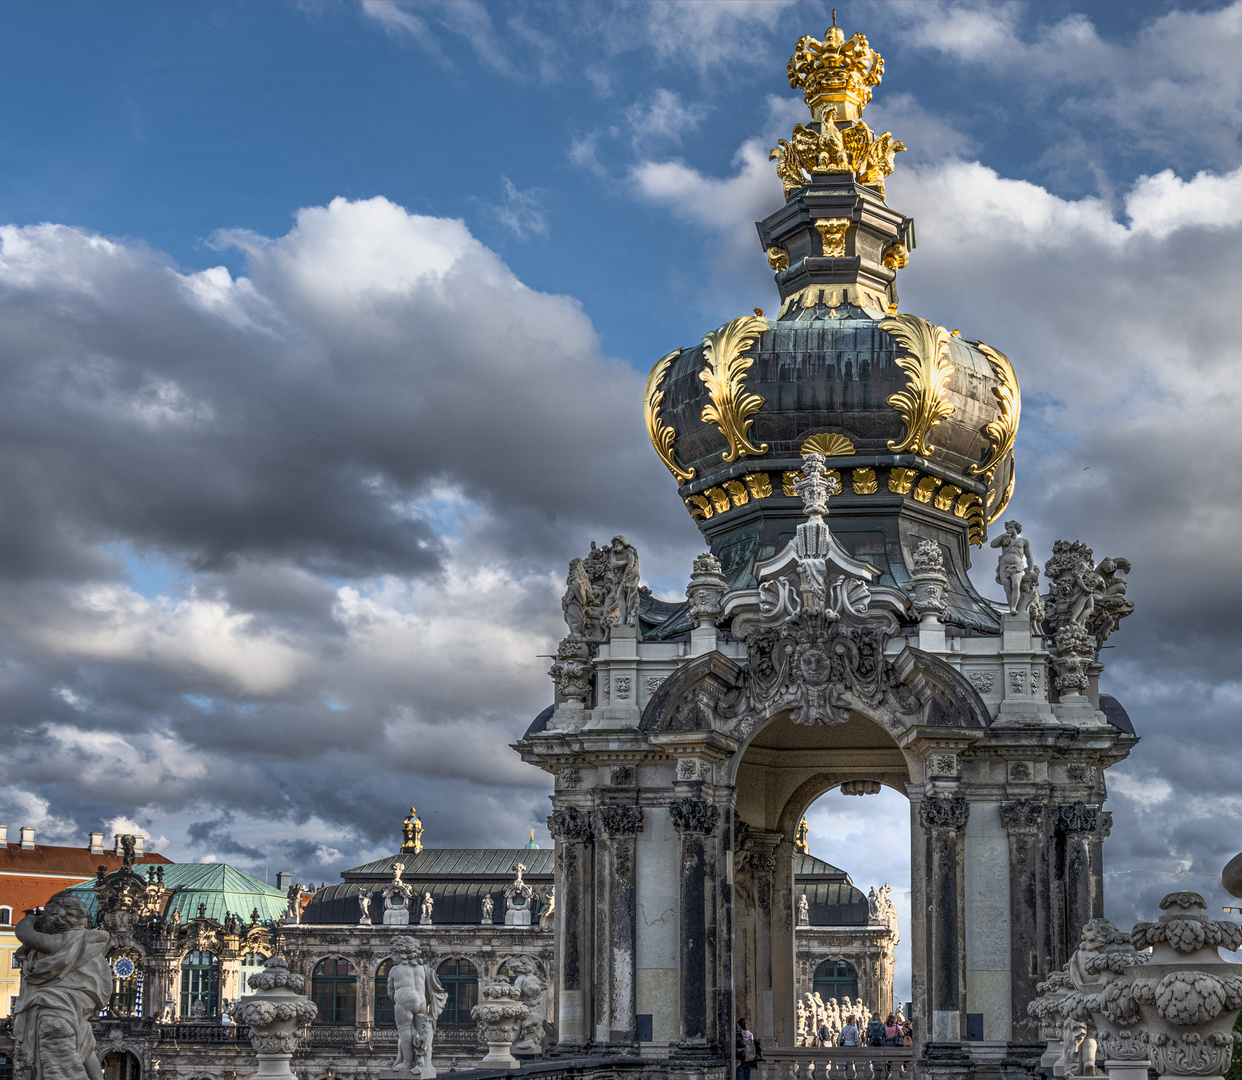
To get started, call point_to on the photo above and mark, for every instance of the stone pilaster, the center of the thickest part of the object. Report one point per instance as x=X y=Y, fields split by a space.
x=571 y=828
x=696 y=820
x=943 y=818
x=1078 y=823
x=615 y=938
x=1029 y=932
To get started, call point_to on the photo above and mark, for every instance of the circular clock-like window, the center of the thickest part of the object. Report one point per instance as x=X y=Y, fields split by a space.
x=123 y=967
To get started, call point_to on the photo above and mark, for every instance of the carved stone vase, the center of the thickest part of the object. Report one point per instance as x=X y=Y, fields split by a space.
x=499 y=1016
x=1186 y=996
x=1046 y=1010
x=928 y=584
x=276 y=1014
x=1105 y=957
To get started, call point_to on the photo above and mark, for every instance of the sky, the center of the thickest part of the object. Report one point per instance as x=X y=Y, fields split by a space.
x=323 y=330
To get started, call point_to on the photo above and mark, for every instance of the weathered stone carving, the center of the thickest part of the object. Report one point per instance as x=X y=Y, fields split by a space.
x=65 y=981
x=1084 y=594
x=1187 y=997
x=620 y=820
x=706 y=590
x=499 y=1015
x=1015 y=561
x=1046 y=1011
x=1077 y=817
x=804 y=919
x=944 y=811
x=531 y=989
x=694 y=815
x=1103 y=957
x=983 y=681
x=1022 y=815
x=602 y=590
x=276 y=1014
x=424 y=909
x=518 y=897
x=1075 y=653
x=418 y=1000
x=860 y=787
x=572 y=669
x=489 y=909
x=364 y=907
x=569 y=823
x=397 y=895
x=547 y=910
x=928 y=583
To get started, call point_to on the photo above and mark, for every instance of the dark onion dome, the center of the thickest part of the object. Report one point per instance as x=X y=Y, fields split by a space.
x=918 y=423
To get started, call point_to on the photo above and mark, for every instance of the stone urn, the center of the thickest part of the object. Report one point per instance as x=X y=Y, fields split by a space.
x=1105 y=957
x=1187 y=997
x=1046 y=1011
x=276 y=1014
x=499 y=1016
x=928 y=584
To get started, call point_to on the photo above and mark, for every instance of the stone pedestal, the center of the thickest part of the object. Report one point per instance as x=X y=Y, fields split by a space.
x=397 y=917
x=517 y=917
x=1126 y=1070
x=499 y=1016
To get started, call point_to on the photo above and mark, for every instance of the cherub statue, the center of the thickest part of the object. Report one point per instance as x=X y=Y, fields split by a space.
x=424 y=909
x=804 y=911
x=66 y=981
x=364 y=907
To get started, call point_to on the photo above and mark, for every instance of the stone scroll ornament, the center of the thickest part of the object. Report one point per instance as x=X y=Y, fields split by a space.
x=276 y=1014
x=944 y=811
x=694 y=815
x=818 y=646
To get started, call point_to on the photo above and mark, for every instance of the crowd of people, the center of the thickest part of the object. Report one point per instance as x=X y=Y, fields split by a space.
x=847 y=1023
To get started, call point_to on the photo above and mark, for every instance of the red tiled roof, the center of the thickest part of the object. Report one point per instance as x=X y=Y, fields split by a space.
x=30 y=878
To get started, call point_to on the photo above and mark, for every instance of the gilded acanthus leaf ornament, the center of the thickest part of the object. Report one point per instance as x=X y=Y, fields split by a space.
x=922 y=404
x=660 y=433
x=1005 y=496
x=731 y=407
x=1004 y=429
x=830 y=444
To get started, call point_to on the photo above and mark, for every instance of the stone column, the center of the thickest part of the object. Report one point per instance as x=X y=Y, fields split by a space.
x=571 y=828
x=615 y=920
x=943 y=818
x=1078 y=822
x=1029 y=942
x=695 y=819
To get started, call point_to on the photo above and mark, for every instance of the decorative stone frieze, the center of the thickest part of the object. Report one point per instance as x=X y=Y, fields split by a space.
x=694 y=815
x=620 y=820
x=569 y=823
x=944 y=811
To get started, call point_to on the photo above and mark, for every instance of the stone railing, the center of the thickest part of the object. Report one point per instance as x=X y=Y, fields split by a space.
x=200 y=1033
x=837 y=1063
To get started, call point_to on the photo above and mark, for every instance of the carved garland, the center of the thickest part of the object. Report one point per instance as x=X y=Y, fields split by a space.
x=731 y=407
x=694 y=815
x=620 y=820
x=944 y=812
x=660 y=433
x=922 y=405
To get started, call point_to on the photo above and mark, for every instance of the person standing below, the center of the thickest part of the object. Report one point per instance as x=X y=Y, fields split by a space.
x=892 y=1032
x=746 y=1049
x=849 y=1033
x=875 y=1032
x=825 y=1032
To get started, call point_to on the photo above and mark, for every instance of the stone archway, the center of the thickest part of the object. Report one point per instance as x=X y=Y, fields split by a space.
x=121 y=1065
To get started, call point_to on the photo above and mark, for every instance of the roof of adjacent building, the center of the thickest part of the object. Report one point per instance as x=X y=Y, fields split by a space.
x=458 y=902
x=220 y=888
x=53 y=859
x=457 y=863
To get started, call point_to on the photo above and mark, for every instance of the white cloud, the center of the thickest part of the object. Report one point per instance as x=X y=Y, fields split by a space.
x=663 y=116
x=521 y=212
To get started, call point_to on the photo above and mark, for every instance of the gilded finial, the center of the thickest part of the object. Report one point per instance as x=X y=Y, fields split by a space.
x=532 y=834
x=412 y=834
x=836 y=78
x=800 y=837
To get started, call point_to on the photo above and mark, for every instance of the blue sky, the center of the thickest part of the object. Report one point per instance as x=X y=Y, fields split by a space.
x=324 y=328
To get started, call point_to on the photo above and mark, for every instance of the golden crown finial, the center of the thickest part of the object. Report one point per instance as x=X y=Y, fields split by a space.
x=836 y=77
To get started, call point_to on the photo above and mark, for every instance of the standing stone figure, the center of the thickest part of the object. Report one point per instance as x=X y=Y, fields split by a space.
x=488 y=907
x=1014 y=560
x=418 y=1000
x=530 y=986
x=65 y=981
x=364 y=905
x=424 y=910
x=623 y=572
x=547 y=912
x=804 y=911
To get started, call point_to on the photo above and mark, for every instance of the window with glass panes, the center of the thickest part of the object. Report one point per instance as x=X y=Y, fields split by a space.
x=251 y=964
x=384 y=1013
x=460 y=980
x=200 y=986
x=334 y=990
x=836 y=978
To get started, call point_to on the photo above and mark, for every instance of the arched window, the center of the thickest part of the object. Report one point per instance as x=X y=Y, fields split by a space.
x=384 y=1014
x=200 y=986
x=334 y=989
x=126 y=1000
x=6 y=916
x=120 y=1065
x=836 y=978
x=461 y=982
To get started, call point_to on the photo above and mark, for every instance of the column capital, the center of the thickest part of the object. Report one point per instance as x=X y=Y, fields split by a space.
x=571 y=824
x=694 y=815
x=1023 y=815
x=944 y=811
x=620 y=820
x=1077 y=817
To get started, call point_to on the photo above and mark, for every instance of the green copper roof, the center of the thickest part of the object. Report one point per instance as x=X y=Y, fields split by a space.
x=219 y=887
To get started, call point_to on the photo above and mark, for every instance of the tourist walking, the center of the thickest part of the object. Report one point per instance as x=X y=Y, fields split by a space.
x=825 y=1032
x=849 y=1034
x=746 y=1049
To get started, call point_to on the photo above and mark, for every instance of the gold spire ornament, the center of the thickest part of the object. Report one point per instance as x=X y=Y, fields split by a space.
x=836 y=78
x=800 y=838
x=411 y=834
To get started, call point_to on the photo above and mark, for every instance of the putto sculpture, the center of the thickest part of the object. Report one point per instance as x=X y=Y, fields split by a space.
x=66 y=980
x=397 y=895
x=418 y=1000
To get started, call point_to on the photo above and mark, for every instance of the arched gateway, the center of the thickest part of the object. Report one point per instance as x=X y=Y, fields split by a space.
x=817 y=649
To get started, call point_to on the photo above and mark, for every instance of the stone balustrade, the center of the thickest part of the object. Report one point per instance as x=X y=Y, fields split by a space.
x=836 y=1063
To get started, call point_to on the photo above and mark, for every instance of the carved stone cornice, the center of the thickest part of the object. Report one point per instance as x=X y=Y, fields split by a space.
x=1077 y=817
x=694 y=815
x=570 y=824
x=620 y=820
x=1023 y=815
x=944 y=811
